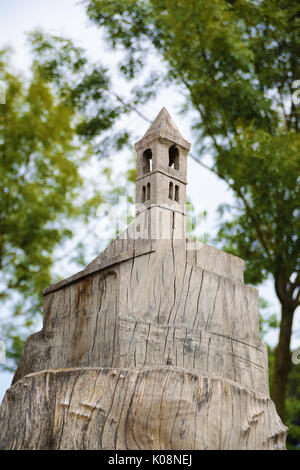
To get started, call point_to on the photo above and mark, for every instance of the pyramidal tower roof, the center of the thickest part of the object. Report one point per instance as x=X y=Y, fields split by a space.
x=163 y=126
x=163 y=121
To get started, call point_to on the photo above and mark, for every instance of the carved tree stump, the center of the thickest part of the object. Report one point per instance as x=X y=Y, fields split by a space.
x=154 y=345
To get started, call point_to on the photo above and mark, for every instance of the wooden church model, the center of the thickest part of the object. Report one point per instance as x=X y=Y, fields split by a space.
x=154 y=345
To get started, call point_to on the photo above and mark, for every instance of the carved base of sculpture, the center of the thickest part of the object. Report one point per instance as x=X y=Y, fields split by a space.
x=147 y=408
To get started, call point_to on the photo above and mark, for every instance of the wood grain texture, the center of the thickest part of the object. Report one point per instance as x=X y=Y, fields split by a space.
x=156 y=308
x=147 y=408
x=154 y=345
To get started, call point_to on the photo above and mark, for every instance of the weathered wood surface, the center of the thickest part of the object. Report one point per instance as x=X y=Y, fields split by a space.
x=164 y=336
x=150 y=408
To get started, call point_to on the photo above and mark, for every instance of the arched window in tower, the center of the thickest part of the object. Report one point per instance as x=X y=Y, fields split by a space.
x=147 y=161
x=148 y=191
x=143 y=193
x=174 y=157
x=170 y=190
x=176 y=193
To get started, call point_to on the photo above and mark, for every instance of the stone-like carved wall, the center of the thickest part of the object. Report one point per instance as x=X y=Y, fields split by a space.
x=154 y=345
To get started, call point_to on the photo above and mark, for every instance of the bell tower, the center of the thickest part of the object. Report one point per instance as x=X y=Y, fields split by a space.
x=162 y=167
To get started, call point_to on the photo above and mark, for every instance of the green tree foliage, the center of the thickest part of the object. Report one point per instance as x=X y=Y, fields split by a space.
x=267 y=321
x=237 y=63
x=292 y=401
x=51 y=125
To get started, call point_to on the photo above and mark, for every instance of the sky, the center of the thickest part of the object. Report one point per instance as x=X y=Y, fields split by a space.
x=67 y=18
